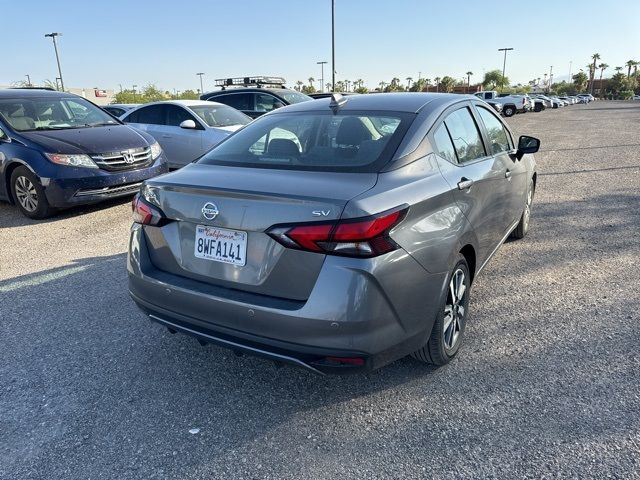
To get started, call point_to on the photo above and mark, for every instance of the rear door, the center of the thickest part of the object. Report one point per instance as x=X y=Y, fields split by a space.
x=476 y=178
x=150 y=119
x=500 y=145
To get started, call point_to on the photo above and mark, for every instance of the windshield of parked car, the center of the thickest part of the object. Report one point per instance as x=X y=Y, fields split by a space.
x=220 y=115
x=294 y=97
x=46 y=113
x=349 y=141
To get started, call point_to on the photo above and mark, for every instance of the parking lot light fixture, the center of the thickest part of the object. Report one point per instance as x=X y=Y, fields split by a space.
x=53 y=36
x=322 y=64
x=200 y=74
x=504 y=64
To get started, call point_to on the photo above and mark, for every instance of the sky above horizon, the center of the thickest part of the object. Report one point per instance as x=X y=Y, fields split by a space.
x=122 y=43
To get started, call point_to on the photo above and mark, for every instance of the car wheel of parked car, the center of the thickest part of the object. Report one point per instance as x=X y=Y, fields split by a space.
x=523 y=226
x=29 y=194
x=448 y=329
x=509 y=111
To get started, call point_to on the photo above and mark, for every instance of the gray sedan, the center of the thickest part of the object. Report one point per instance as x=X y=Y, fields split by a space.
x=336 y=235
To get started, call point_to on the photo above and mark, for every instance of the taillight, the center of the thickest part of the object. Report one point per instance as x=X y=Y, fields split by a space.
x=360 y=237
x=145 y=213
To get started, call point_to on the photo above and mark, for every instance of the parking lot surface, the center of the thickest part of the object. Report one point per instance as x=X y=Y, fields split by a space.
x=545 y=386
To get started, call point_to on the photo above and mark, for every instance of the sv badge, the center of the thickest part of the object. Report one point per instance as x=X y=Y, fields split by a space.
x=321 y=213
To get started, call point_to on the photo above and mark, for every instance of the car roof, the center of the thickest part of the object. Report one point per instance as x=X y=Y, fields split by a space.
x=123 y=105
x=184 y=103
x=412 y=102
x=33 y=93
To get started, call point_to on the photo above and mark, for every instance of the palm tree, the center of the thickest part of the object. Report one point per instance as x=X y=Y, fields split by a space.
x=602 y=66
x=437 y=80
x=409 y=81
x=630 y=64
x=328 y=85
x=311 y=80
x=469 y=73
x=382 y=85
x=299 y=83
x=592 y=69
x=618 y=69
x=359 y=83
x=427 y=83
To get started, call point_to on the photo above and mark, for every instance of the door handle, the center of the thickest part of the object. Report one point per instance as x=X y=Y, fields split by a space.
x=507 y=174
x=464 y=183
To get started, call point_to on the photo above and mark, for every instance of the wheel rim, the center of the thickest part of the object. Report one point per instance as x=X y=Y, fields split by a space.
x=454 y=310
x=26 y=194
x=527 y=207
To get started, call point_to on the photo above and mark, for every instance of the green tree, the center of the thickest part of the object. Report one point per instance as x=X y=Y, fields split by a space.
x=418 y=85
x=188 y=95
x=409 y=82
x=602 y=67
x=468 y=74
x=592 y=69
x=299 y=85
x=447 y=83
x=580 y=81
x=493 y=79
x=630 y=64
x=437 y=82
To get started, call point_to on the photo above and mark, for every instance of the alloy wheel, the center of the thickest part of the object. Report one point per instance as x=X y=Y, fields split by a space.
x=454 y=310
x=26 y=194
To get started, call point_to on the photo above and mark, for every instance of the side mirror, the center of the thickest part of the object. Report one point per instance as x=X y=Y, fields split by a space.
x=526 y=145
x=4 y=137
x=189 y=124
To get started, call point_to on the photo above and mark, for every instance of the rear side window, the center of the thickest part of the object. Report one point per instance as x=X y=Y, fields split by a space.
x=152 y=115
x=465 y=135
x=353 y=141
x=239 y=101
x=498 y=137
x=443 y=144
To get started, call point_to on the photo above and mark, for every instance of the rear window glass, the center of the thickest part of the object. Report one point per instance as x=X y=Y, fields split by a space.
x=349 y=141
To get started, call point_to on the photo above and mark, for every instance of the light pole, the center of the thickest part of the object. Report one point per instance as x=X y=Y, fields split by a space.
x=570 y=65
x=333 y=45
x=504 y=64
x=28 y=80
x=53 y=36
x=200 y=75
x=134 y=93
x=322 y=64
x=550 y=77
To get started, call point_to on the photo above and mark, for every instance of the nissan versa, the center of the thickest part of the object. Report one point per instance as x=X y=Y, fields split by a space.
x=337 y=235
x=59 y=150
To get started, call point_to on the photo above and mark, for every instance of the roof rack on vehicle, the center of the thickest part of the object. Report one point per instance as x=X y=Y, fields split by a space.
x=259 y=81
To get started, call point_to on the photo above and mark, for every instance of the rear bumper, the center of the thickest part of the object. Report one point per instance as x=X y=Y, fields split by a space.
x=97 y=185
x=363 y=312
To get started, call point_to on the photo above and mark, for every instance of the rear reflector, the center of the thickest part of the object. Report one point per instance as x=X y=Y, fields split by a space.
x=360 y=237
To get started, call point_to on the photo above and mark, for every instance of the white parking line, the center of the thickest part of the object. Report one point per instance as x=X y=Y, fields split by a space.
x=40 y=279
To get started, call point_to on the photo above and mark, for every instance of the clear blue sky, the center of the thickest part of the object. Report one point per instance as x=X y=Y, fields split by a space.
x=114 y=42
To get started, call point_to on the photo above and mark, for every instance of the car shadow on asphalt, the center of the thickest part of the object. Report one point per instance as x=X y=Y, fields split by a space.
x=10 y=216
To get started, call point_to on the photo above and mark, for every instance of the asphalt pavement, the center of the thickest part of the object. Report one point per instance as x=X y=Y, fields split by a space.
x=545 y=386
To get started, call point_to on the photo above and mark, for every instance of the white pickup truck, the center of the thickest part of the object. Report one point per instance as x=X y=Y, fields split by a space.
x=511 y=104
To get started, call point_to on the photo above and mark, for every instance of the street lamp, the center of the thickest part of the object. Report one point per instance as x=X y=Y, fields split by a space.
x=28 y=80
x=321 y=75
x=200 y=75
x=504 y=64
x=134 y=93
x=333 y=45
x=53 y=36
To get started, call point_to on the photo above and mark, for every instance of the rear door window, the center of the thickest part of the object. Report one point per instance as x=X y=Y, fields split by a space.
x=465 y=135
x=239 y=101
x=443 y=144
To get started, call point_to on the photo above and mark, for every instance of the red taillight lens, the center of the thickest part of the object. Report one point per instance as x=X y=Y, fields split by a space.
x=363 y=237
x=145 y=213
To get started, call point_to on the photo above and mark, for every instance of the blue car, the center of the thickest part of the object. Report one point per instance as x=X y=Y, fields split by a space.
x=58 y=150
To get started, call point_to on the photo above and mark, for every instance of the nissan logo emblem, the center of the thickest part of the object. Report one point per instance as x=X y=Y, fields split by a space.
x=210 y=211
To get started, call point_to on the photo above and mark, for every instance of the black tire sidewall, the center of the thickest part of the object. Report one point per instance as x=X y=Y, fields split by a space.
x=439 y=354
x=509 y=111
x=43 y=208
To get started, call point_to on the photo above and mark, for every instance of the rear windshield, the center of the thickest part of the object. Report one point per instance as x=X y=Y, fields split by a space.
x=294 y=97
x=350 y=141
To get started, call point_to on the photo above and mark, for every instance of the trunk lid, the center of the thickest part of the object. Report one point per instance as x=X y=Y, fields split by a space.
x=248 y=200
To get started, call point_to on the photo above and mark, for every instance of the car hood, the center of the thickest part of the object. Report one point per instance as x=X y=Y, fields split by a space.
x=92 y=140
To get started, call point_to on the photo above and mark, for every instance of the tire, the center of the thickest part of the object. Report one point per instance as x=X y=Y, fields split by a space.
x=446 y=336
x=28 y=194
x=523 y=225
x=509 y=111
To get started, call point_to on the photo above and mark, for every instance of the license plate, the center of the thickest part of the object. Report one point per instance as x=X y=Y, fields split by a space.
x=221 y=245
